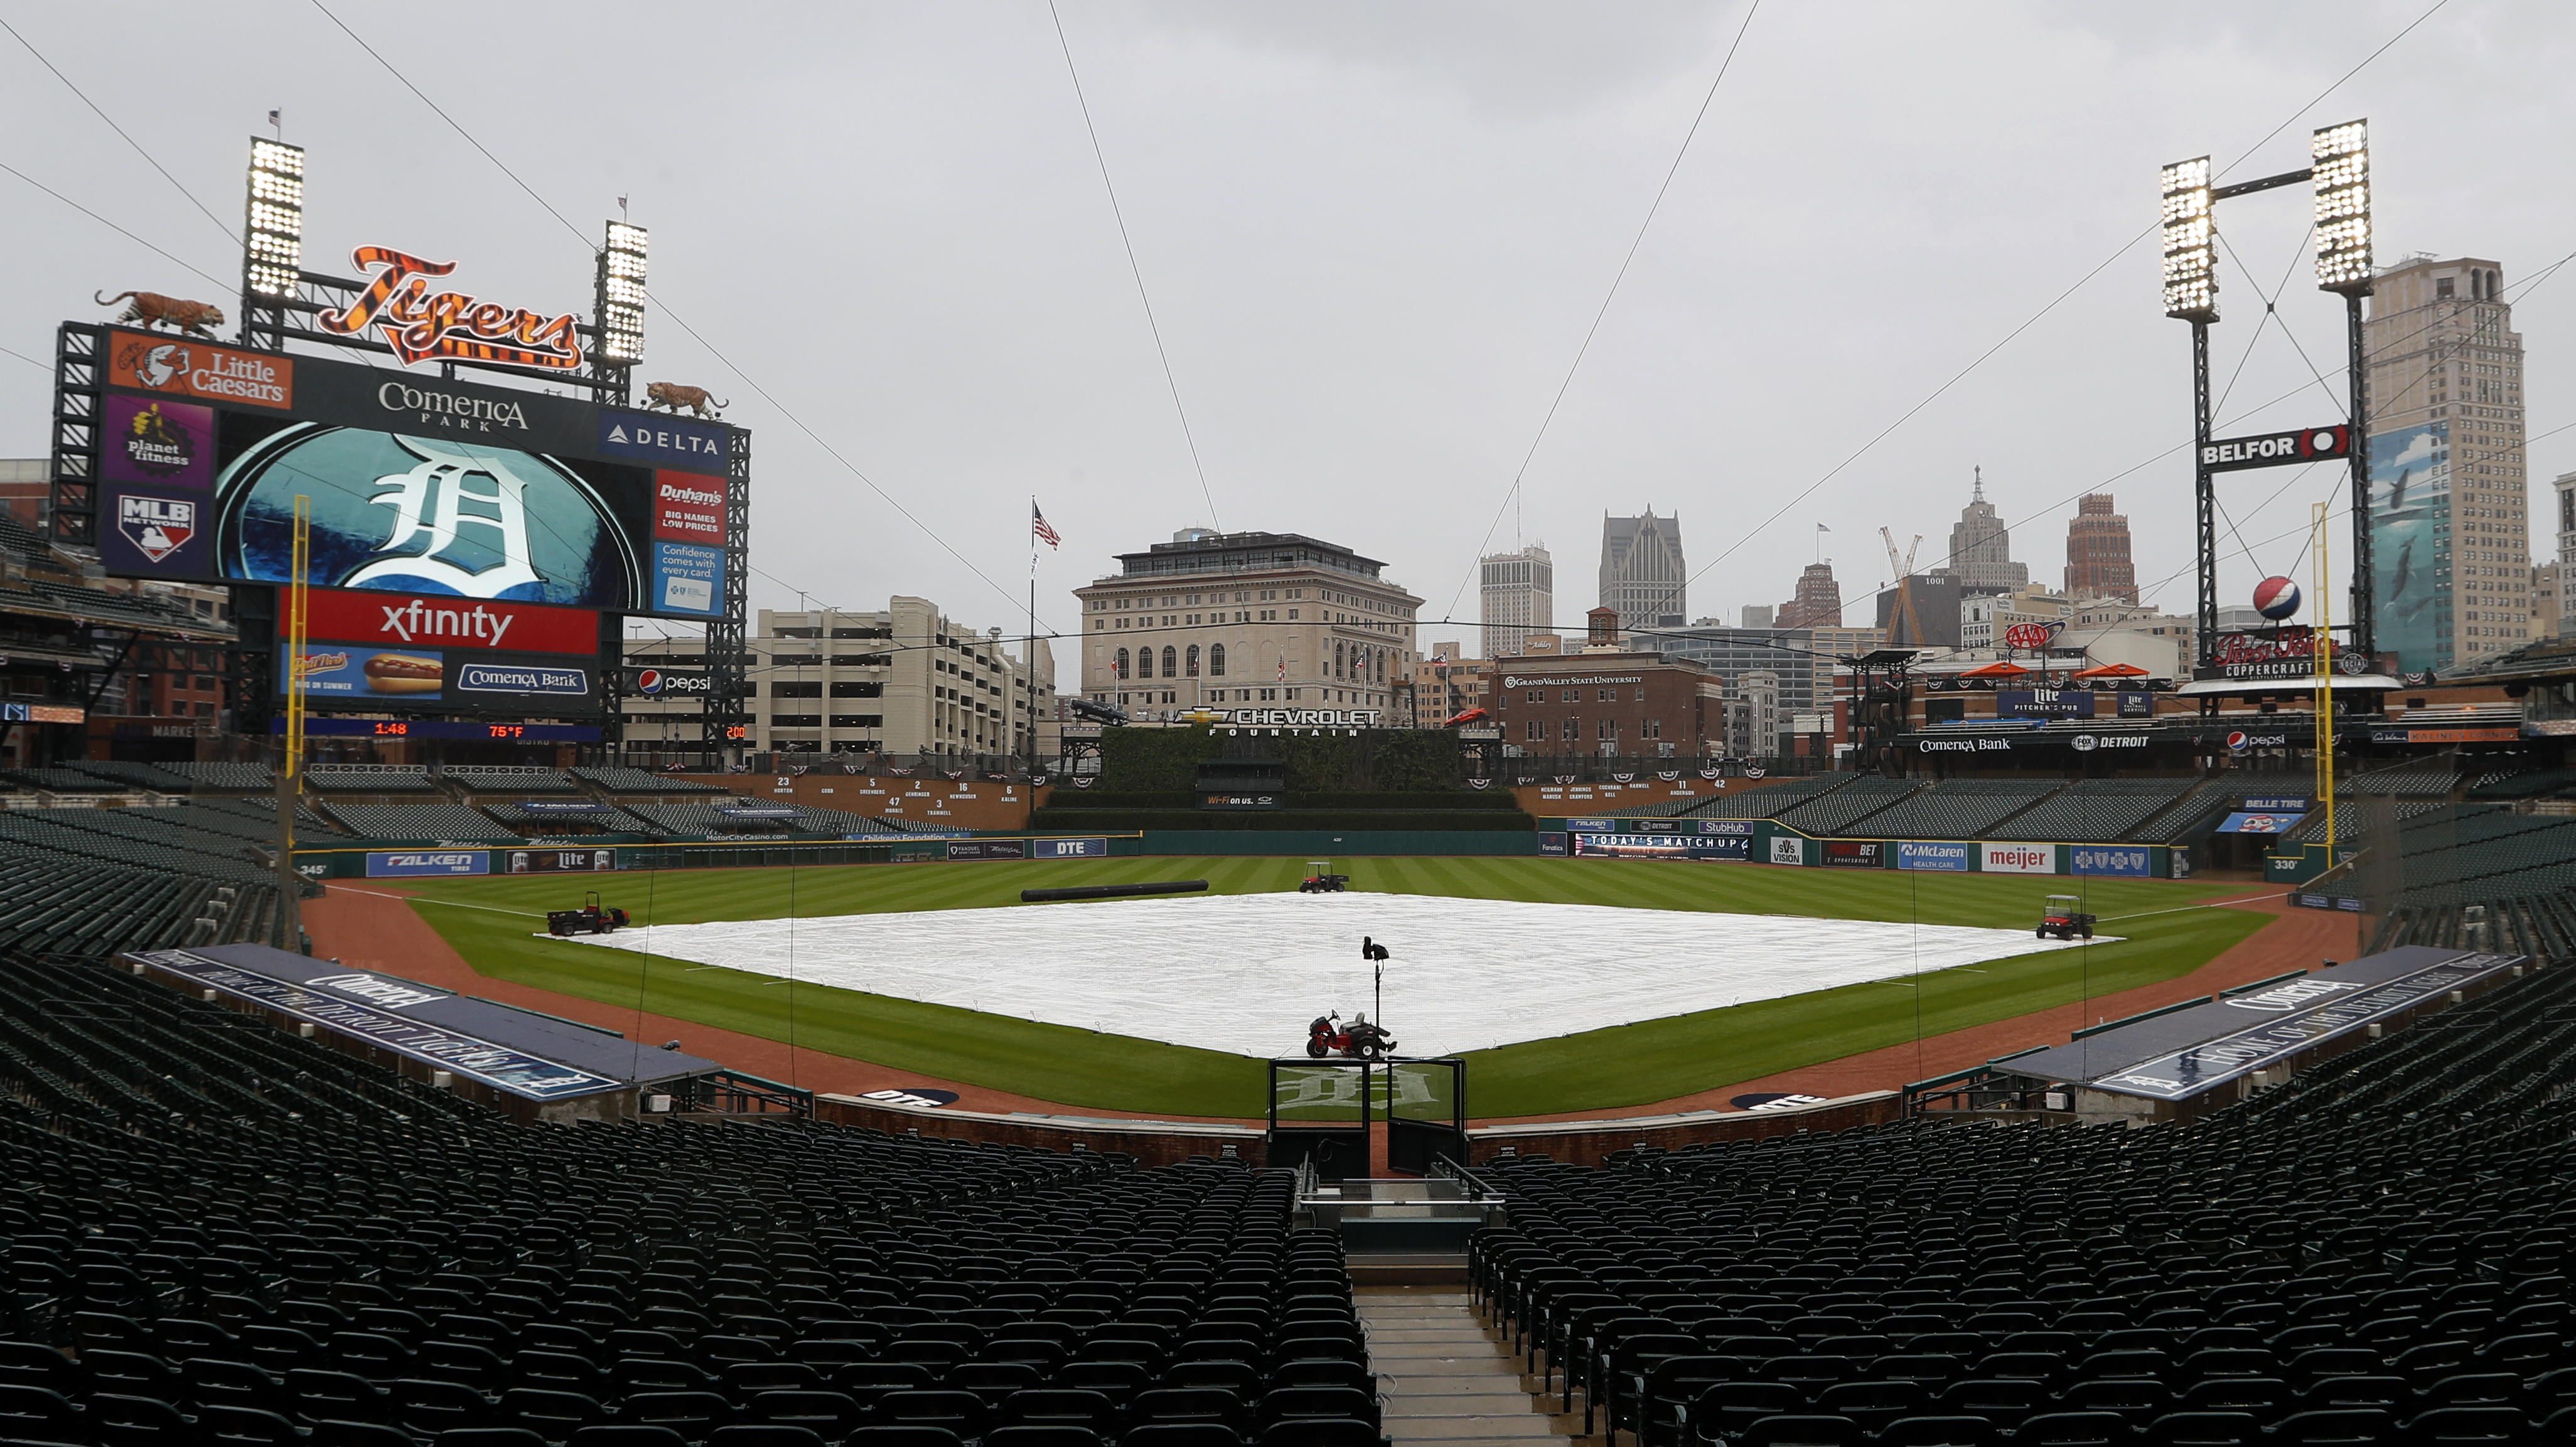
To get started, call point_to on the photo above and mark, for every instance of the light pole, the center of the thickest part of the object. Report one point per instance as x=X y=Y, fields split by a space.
x=2339 y=178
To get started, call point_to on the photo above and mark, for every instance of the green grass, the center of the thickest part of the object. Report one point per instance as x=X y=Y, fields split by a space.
x=490 y=922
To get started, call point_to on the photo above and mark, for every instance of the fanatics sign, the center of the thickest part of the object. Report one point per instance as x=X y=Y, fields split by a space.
x=2277 y=449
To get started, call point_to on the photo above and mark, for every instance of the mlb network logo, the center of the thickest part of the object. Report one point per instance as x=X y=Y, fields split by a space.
x=156 y=526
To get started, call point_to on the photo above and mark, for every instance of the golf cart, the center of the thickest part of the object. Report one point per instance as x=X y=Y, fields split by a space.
x=591 y=919
x=1321 y=880
x=2061 y=918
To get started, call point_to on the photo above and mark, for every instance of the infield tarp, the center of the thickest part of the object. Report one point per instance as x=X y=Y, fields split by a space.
x=526 y=1054
x=2180 y=1055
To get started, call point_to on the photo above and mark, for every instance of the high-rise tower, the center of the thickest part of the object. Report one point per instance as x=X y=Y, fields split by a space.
x=2097 y=553
x=1981 y=548
x=1643 y=577
x=2449 y=502
x=1516 y=598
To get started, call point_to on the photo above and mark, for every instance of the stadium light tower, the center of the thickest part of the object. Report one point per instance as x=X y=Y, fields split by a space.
x=2340 y=183
x=619 y=342
x=2341 y=165
x=272 y=229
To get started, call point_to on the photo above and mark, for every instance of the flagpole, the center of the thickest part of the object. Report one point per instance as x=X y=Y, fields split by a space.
x=1029 y=646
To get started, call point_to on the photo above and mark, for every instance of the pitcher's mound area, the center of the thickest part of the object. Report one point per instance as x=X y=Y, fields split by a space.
x=1244 y=973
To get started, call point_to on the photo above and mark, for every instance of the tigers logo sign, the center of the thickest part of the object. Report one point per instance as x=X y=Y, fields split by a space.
x=422 y=326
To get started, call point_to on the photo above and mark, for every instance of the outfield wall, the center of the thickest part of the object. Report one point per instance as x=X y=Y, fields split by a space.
x=1764 y=841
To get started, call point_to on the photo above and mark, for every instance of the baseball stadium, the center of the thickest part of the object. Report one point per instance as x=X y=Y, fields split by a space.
x=462 y=985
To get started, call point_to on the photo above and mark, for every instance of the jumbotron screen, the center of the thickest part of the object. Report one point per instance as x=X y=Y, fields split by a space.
x=419 y=484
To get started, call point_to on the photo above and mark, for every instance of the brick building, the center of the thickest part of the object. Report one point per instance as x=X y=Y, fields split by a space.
x=1632 y=704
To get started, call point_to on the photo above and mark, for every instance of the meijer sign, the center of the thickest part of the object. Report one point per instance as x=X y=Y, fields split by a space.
x=2019 y=859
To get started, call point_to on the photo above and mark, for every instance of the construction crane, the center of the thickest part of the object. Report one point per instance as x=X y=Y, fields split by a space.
x=1909 y=632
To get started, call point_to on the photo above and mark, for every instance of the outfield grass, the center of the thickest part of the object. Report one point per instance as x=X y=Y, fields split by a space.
x=490 y=923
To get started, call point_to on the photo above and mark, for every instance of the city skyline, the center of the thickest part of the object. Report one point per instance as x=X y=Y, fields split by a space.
x=1347 y=338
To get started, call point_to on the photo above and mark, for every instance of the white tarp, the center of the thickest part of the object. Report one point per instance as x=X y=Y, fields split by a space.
x=1244 y=973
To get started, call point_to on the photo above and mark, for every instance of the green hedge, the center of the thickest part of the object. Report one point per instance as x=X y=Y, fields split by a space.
x=1420 y=799
x=1138 y=761
x=1125 y=820
x=1126 y=799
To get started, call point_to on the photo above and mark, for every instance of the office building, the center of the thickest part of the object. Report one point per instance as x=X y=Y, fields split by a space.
x=1643 y=577
x=1232 y=619
x=2547 y=619
x=1637 y=705
x=2098 y=564
x=1732 y=654
x=1819 y=600
x=1447 y=684
x=1981 y=548
x=1921 y=611
x=1753 y=731
x=1756 y=615
x=2449 y=499
x=2565 y=487
x=1516 y=597
x=906 y=680
x=25 y=484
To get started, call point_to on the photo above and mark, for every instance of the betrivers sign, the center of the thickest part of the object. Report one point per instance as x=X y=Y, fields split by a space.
x=1513 y=681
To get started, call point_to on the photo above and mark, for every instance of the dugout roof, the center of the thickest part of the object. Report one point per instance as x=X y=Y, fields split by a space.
x=2180 y=1054
x=529 y=1055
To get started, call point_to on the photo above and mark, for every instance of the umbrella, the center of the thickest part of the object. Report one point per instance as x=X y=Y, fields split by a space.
x=1996 y=670
x=2114 y=670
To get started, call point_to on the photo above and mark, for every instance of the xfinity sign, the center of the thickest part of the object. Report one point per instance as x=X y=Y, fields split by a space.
x=2277 y=449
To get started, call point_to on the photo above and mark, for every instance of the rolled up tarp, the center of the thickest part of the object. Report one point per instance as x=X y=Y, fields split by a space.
x=1113 y=891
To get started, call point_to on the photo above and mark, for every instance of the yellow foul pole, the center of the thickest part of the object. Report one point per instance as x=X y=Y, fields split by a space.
x=290 y=773
x=2321 y=639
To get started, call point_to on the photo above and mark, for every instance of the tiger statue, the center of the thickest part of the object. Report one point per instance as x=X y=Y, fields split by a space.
x=151 y=308
x=675 y=397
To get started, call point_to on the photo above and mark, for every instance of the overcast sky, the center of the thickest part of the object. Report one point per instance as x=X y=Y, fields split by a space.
x=1375 y=235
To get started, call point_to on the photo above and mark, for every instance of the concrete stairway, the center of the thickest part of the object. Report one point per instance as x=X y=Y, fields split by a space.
x=1445 y=1380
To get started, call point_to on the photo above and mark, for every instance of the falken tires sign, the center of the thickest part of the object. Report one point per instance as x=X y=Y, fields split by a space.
x=427 y=863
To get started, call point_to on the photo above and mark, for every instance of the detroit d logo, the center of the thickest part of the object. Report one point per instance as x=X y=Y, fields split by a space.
x=157 y=526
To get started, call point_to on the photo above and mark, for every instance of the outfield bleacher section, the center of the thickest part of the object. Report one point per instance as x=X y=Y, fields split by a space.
x=482 y=779
x=608 y=819
x=442 y=822
x=60 y=781
x=1752 y=803
x=2374 y=1252
x=369 y=779
x=2194 y=812
x=2522 y=783
x=1844 y=807
x=218 y=1231
x=228 y=778
x=2100 y=811
x=1959 y=808
x=2425 y=779
x=619 y=779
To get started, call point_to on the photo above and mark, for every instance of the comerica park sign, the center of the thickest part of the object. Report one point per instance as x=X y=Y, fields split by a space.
x=2277 y=449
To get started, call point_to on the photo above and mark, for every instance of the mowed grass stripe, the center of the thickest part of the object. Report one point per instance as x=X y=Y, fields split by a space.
x=1605 y=1069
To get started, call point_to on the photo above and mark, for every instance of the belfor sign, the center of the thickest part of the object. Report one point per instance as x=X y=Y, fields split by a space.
x=2277 y=449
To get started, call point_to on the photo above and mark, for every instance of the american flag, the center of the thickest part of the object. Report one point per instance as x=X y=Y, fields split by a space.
x=1283 y=668
x=1038 y=527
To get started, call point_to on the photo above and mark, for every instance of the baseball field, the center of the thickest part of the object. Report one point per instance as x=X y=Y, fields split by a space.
x=2163 y=929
